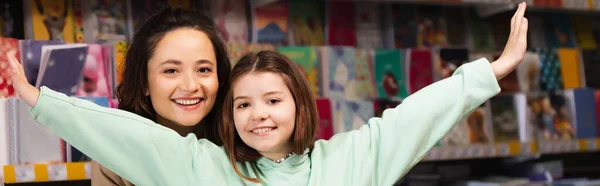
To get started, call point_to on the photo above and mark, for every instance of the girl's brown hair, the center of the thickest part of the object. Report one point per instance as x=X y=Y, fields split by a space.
x=306 y=122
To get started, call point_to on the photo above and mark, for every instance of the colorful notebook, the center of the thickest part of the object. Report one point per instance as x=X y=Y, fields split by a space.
x=95 y=81
x=569 y=66
x=339 y=72
x=365 y=74
x=551 y=75
x=52 y=20
x=390 y=74
x=528 y=72
x=307 y=22
x=340 y=25
x=504 y=118
x=325 y=130
x=31 y=56
x=230 y=17
x=368 y=25
x=420 y=69
x=6 y=45
x=270 y=23
x=61 y=67
x=104 y=20
x=350 y=115
x=583 y=112
x=307 y=60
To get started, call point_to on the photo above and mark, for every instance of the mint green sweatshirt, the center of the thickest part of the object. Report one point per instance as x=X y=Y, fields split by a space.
x=378 y=153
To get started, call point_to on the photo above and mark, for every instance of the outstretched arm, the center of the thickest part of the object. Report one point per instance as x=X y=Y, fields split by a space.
x=134 y=147
x=390 y=146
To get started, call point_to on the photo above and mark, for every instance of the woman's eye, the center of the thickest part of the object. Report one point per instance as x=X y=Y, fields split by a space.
x=273 y=101
x=170 y=71
x=204 y=70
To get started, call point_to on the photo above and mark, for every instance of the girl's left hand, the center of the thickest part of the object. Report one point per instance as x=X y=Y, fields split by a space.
x=516 y=45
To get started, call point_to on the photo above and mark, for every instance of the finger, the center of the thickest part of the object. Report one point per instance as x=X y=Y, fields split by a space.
x=520 y=15
x=523 y=32
x=15 y=64
x=11 y=62
x=512 y=20
x=513 y=26
x=517 y=23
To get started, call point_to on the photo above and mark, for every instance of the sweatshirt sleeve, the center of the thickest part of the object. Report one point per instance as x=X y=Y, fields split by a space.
x=388 y=147
x=132 y=146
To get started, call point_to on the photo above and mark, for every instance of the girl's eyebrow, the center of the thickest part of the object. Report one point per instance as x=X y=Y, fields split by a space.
x=273 y=92
x=266 y=94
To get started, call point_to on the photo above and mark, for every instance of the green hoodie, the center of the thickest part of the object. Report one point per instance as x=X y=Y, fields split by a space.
x=378 y=153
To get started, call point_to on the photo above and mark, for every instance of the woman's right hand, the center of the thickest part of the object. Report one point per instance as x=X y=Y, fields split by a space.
x=26 y=91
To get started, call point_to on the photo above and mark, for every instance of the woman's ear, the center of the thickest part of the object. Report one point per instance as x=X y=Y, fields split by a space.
x=146 y=92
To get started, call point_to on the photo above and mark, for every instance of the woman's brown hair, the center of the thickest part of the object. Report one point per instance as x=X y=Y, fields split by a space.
x=130 y=92
x=305 y=127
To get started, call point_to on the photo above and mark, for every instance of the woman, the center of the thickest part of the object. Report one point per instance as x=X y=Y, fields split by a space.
x=176 y=72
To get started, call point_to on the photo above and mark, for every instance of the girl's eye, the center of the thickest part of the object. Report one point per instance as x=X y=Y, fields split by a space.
x=204 y=70
x=170 y=71
x=273 y=101
x=243 y=105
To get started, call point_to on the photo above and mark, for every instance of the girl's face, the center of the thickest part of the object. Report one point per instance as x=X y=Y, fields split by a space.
x=182 y=78
x=264 y=112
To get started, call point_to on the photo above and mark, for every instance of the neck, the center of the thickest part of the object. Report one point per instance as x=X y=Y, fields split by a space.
x=277 y=154
x=180 y=129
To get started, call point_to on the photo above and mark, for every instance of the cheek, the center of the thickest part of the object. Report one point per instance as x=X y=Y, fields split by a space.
x=160 y=87
x=240 y=118
x=210 y=85
x=285 y=115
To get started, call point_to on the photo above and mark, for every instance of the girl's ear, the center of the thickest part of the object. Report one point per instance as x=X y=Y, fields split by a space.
x=146 y=92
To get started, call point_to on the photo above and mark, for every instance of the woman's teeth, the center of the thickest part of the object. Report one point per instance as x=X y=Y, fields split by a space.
x=261 y=130
x=187 y=102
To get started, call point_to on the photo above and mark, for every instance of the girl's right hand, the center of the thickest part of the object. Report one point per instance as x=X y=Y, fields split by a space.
x=26 y=91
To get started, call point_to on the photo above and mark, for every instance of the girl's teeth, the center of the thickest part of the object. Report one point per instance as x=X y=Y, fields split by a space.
x=188 y=102
x=261 y=130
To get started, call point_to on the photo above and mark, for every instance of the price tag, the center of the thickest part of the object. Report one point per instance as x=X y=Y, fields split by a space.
x=490 y=151
x=88 y=169
x=525 y=148
x=479 y=152
x=592 y=144
x=433 y=154
x=57 y=172
x=472 y=151
x=457 y=152
x=445 y=154
x=575 y=146
x=24 y=173
x=503 y=149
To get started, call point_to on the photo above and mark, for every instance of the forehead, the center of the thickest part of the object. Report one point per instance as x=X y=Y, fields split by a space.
x=258 y=83
x=185 y=45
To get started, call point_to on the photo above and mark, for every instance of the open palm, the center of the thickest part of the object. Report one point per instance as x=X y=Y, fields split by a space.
x=17 y=75
x=516 y=46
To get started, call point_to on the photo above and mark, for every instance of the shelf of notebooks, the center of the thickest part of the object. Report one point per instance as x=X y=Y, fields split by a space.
x=46 y=172
x=509 y=149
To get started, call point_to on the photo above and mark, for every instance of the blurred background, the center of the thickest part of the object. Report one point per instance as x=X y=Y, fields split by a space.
x=360 y=56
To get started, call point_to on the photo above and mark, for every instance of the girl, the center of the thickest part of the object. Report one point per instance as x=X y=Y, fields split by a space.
x=272 y=133
x=177 y=57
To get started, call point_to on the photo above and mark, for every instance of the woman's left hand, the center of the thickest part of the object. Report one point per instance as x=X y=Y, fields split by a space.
x=516 y=45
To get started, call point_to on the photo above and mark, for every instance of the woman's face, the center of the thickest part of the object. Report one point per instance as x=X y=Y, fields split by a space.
x=182 y=78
